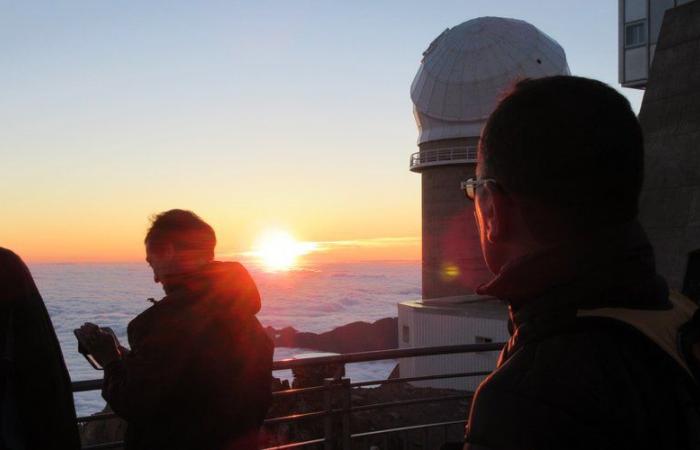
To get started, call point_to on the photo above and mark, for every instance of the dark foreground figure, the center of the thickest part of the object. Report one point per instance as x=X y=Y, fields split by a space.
x=198 y=375
x=559 y=175
x=36 y=402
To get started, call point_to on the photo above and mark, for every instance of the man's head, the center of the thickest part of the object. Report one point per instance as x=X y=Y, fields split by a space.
x=178 y=242
x=566 y=154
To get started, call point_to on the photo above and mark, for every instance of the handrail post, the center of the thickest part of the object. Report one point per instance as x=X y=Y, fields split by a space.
x=346 y=392
x=329 y=384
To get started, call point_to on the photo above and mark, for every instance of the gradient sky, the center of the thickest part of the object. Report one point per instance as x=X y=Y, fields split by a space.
x=257 y=115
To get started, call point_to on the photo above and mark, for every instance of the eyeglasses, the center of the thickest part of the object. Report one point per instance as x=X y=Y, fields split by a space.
x=469 y=186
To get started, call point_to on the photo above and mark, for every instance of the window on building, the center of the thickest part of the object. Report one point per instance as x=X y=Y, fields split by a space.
x=482 y=340
x=635 y=34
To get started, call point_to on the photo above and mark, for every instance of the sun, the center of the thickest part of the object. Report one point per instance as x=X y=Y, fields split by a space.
x=279 y=251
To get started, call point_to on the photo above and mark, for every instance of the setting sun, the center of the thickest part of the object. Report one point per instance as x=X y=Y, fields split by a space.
x=278 y=250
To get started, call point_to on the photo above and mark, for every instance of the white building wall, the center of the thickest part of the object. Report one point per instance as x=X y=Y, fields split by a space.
x=430 y=328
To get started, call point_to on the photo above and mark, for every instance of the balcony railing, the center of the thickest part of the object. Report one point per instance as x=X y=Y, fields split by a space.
x=337 y=399
x=443 y=156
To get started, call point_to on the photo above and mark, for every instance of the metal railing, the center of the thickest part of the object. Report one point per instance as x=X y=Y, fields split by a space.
x=442 y=156
x=338 y=409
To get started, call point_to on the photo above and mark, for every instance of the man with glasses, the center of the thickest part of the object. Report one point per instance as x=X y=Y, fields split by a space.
x=556 y=197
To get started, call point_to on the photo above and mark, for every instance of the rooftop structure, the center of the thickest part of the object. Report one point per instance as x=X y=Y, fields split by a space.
x=466 y=69
x=463 y=73
x=639 y=27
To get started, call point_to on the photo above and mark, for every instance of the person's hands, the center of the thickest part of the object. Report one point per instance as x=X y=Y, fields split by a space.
x=99 y=343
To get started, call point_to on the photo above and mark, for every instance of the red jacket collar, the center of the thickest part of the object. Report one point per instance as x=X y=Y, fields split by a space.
x=613 y=266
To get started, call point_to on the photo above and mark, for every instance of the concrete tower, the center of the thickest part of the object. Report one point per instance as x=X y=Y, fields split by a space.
x=670 y=118
x=462 y=74
x=461 y=77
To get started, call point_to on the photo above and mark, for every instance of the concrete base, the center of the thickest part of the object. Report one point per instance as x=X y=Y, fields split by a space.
x=422 y=324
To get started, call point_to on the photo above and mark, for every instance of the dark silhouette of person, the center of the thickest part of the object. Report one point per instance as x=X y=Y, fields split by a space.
x=36 y=400
x=559 y=173
x=198 y=375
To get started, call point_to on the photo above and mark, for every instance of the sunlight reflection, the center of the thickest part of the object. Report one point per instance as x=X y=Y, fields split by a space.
x=279 y=251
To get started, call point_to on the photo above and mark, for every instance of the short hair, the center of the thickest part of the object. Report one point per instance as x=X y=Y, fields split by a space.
x=573 y=146
x=183 y=229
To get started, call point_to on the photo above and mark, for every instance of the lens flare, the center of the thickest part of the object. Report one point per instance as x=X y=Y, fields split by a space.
x=450 y=272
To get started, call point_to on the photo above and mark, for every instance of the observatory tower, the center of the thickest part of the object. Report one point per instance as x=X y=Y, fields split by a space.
x=460 y=79
x=463 y=73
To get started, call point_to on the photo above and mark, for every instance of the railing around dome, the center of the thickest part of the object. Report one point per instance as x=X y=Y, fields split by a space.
x=443 y=156
x=337 y=395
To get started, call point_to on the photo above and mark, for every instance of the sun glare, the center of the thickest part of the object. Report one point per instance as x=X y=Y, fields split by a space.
x=279 y=251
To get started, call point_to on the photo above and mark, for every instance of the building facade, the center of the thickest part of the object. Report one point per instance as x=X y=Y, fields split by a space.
x=639 y=27
x=670 y=119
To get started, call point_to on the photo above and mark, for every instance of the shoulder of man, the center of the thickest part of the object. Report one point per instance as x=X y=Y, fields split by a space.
x=564 y=386
x=159 y=322
x=567 y=368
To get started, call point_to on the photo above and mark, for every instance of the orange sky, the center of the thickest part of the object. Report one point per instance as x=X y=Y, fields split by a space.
x=72 y=196
x=96 y=238
x=256 y=116
x=61 y=227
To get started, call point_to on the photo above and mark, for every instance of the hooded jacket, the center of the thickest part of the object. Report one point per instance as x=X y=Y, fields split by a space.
x=564 y=381
x=198 y=375
x=36 y=402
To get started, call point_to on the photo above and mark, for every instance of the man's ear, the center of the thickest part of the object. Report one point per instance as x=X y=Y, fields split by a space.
x=493 y=209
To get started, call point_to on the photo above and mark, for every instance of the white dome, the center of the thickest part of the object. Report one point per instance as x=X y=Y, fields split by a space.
x=466 y=69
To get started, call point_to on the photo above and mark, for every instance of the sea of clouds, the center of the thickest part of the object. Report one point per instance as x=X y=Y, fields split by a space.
x=313 y=299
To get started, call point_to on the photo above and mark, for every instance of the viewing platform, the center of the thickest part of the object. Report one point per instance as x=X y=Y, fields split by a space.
x=442 y=156
x=336 y=420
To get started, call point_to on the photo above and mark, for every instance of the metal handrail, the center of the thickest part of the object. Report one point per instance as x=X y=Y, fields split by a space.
x=298 y=444
x=346 y=410
x=86 y=385
x=345 y=358
x=320 y=414
x=423 y=378
x=106 y=445
x=96 y=417
x=378 y=355
x=442 y=156
x=411 y=427
x=414 y=401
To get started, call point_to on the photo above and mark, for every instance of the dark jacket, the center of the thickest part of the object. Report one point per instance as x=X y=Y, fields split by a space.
x=199 y=372
x=564 y=382
x=36 y=401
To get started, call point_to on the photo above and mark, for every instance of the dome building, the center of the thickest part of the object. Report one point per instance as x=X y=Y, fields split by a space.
x=462 y=75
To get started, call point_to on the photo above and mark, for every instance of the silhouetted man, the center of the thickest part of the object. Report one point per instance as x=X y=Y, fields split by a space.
x=36 y=401
x=198 y=375
x=558 y=179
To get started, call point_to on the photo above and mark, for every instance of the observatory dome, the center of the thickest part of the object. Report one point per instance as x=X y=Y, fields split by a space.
x=467 y=67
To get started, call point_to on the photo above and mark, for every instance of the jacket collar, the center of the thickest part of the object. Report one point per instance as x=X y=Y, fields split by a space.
x=225 y=285
x=613 y=267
